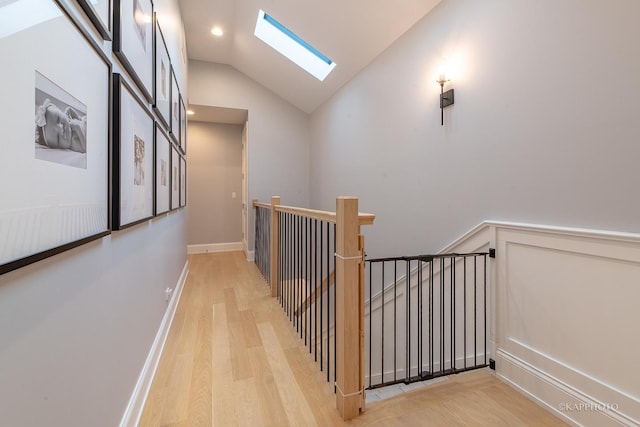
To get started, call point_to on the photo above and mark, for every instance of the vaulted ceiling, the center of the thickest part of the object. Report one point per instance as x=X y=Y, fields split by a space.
x=350 y=32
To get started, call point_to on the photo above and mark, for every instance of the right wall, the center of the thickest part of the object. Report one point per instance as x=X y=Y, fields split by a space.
x=544 y=129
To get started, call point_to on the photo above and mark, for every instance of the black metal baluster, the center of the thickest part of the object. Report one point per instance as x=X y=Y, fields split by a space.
x=453 y=314
x=395 y=327
x=485 y=309
x=381 y=324
x=321 y=293
x=370 y=319
x=408 y=322
x=465 y=312
x=419 y=289
x=442 y=296
x=315 y=288
x=431 y=337
x=475 y=314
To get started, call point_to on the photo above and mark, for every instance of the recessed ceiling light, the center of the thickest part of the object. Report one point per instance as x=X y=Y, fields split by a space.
x=217 y=31
x=190 y=112
x=292 y=46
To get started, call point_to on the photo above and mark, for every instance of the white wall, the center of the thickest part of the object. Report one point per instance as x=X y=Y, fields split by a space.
x=544 y=127
x=278 y=147
x=76 y=328
x=215 y=172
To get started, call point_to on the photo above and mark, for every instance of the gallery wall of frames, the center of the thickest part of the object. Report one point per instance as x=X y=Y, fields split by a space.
x=95 y=137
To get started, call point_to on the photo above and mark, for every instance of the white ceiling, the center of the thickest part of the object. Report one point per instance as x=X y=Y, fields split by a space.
x=350 y=32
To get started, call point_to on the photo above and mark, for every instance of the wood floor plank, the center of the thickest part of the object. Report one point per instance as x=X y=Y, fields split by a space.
x=295 y=403
x=223 y=405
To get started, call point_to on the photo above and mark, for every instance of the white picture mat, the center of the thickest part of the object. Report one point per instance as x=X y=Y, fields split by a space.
x=183 y=126
x=136 y=201
x=100 y=10
x=163 y=154
x=175 y=108
x=175 y=178
x=138 y=53
x=183 y=181
x=162 y=78
x=103 y=9
x=45 y=205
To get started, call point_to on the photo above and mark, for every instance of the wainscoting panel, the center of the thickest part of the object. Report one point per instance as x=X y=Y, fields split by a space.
x=567 y=318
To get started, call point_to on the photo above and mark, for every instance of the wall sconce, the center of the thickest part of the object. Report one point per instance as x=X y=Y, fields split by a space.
x=446 y=98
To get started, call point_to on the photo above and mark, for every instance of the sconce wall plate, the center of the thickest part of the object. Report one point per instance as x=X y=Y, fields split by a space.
x=446 y=98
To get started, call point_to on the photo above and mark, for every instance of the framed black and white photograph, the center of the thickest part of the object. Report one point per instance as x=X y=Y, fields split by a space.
x=175 y=109
x=175 y=178
x=99 y=13
x=133 y=157
x=183 y=182
x=54 y=110
x=133 y=41
x=183 y=126
x=162 y=76
x=162 y=172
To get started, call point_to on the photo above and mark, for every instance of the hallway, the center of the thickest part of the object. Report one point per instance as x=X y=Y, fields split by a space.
x=232 y=358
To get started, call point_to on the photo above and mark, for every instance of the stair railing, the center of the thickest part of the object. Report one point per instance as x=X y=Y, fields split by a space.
x=316 y=271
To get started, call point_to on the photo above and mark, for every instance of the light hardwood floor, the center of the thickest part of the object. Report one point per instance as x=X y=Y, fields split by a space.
x=232 y=359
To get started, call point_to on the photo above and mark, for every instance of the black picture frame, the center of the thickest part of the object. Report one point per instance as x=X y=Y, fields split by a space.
x=162 y=171
x=133 y=42
x=183 y=126
x=174 y=128
x=183 y=182
x=175 y=178
x=66 y=203
x=100 y=16
x=133 y=157
x=161 y=77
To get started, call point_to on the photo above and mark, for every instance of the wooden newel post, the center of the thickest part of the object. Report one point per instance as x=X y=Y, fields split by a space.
x=349 y=392
x=275 y=233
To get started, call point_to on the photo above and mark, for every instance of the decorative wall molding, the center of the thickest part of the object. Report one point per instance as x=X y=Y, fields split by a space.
x=565 y=312
x=138 y=398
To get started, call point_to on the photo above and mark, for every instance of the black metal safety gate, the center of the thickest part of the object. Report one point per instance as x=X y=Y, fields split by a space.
x=425 y=317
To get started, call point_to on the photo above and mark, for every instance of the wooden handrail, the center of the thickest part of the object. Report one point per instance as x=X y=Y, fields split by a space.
x=257 y=204
x=363 y=218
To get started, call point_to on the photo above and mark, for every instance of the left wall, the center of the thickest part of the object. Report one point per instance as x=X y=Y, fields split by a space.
x=76 y=328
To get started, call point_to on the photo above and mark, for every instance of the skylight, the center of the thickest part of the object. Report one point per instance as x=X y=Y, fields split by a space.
x=292 y=46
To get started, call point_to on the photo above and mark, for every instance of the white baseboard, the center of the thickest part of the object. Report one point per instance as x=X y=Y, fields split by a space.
x=564 y=400
x=132 y=414
x=214 y=247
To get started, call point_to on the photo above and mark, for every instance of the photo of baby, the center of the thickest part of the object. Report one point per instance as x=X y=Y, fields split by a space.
x=60 y=125
x=138 y=161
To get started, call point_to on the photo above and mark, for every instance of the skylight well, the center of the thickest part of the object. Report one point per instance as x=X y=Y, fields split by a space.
x=292 y=46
